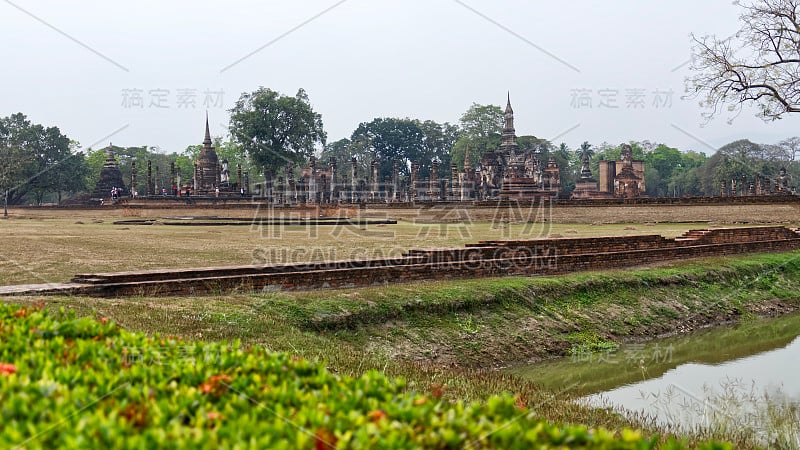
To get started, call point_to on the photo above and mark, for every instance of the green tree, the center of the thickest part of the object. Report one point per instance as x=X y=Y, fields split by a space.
x=10 y=169
x=42 y=159
x=438 y=140
x=274 y=129
x=480 y=128
x=343 y=151
x=389 y=139
x=584 y=150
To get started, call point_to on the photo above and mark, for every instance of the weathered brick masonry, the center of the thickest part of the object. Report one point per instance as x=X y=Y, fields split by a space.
x=483 y=259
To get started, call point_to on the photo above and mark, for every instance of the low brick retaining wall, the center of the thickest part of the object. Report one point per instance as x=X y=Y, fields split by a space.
x=483 y=259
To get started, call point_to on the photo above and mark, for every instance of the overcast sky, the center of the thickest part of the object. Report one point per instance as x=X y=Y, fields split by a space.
x=145 y=72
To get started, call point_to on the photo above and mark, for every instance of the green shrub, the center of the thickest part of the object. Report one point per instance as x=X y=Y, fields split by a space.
x=78 y=383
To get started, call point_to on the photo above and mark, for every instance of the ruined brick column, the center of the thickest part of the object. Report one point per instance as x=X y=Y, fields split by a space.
x=414 y=181
x=434 y=181
x=353 y=180
x=172 y=186
x=291 y=189
x=395 y=180
x=133 y=177
x=281 y=197
x=322 y=195
x=333 y=192
x=454 y=182
x=149 y=189
x=312 y=180
x=374 y=188
x=268 y=186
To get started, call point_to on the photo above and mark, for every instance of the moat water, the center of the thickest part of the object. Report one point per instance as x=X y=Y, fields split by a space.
x=724 y=378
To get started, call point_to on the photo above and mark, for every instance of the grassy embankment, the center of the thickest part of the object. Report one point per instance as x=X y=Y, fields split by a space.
x=75 y=383
x=440 y=336
x=443 y=335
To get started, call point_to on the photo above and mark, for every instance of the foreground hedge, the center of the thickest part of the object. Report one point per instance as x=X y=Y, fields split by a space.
x=78 y=382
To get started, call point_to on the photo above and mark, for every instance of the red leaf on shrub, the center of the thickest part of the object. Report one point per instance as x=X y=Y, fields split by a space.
x=324 y=439
x=213 y=415
x=437 y=390
x=377 y=415
x=520 y=402
x=7 y=368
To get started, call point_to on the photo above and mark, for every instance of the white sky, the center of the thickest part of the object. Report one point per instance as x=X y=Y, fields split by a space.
x=364 y=59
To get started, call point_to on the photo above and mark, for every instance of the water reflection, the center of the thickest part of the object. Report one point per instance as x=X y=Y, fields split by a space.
x=732 y=379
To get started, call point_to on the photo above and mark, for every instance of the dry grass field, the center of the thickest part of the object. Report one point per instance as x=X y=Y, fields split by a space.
x=52 y=245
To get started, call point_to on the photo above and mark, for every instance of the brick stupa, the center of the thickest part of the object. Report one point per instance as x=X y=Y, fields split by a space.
x=110 y=177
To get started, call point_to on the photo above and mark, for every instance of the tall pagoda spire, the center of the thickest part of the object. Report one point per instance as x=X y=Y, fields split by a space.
x=508 y=141
x=207 y=140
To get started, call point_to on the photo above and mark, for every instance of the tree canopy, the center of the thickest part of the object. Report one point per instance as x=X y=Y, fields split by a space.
x=37 y=160
x=480 y=130
x=757 y=65
x=275 y=130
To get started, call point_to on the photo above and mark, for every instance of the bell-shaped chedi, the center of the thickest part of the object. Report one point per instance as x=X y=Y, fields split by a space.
x=207 y=166
x=110 y=177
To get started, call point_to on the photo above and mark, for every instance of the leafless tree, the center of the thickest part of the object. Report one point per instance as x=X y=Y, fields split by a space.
x=759 y=65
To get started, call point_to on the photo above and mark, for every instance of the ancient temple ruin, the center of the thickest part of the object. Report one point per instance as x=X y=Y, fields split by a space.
x=110 y=178
x=618 y=179
x=511 y=174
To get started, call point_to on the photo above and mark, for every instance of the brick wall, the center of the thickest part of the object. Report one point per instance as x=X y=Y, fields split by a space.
x=484 y=259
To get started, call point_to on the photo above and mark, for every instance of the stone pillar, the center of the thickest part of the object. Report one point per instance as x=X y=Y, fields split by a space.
x=133 y=177
x=312 y=180
x=767 y=186
x=414 y=181
x=752 y=190
x=354 y=181
x=196 y=179
x=291 y=189
x=733 y=188
x=723 y=189
x=758 y=185
x=454 y=188
x=387 y=189
x=268 y=186
x=466 y=187
x=395 y=180
x=281 y=197
x=333 y=190
x=172 y=186
x=155 y=183
x=434 y=181
x=247 y=183
x=149 y=190
x=373 y=178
